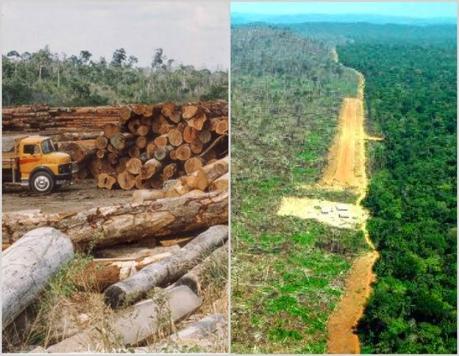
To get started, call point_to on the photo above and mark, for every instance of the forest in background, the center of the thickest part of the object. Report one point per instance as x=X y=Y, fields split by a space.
x=411 y=100
x=44 y=77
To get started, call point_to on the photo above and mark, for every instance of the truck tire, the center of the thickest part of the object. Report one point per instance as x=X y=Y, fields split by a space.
x=42 y=182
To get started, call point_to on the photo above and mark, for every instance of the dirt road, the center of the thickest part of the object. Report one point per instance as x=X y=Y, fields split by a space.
x=347 y=169
x=77 y=197
x=345 y=165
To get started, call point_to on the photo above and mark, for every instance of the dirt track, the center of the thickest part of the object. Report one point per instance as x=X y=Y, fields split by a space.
x=77 y=197
x=342 y=340
x=345 y=168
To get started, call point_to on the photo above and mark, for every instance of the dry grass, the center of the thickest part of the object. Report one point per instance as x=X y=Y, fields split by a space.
x=71 y=304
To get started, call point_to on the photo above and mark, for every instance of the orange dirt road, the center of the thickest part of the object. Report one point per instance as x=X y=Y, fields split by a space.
x=341 y=336
x=346 y=169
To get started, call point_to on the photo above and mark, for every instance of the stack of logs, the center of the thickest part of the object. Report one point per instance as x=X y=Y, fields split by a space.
x=153 y=144
x=133 y=146
x=33 y=118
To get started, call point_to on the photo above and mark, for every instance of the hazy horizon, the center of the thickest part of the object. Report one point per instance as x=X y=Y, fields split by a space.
x=414 y=10
x=192 y=33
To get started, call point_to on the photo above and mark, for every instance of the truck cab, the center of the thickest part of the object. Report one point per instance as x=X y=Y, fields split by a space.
x=35 y=163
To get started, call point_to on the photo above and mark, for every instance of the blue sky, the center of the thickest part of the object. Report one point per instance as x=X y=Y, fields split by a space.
x=408 y=9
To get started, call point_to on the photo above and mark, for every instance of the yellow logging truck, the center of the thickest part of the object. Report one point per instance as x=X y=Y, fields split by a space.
x=34 y=162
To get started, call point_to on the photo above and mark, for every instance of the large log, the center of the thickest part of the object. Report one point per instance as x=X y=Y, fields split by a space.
x=135 y=324
x=196 y=279
x=109 y=225
x=27 y=266
x=168 y=270
x=103 y=272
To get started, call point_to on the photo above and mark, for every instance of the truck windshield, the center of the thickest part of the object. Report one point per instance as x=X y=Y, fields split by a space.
x=47 y=146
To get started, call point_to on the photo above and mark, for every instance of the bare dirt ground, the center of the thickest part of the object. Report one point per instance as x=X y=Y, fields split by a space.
x=345 y=168
x=76 y=197
x=346 y=216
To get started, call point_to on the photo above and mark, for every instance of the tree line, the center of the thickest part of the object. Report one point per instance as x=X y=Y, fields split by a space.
x=46 y=77
x=411 y=98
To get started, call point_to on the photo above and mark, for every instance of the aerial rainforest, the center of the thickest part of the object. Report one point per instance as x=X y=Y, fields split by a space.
x=411 y=101
x=289 y=273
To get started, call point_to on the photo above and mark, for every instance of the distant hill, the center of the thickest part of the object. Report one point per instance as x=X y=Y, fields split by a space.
x=242 y=18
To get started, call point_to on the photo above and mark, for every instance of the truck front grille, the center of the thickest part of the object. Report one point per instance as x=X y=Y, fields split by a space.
x=65 y=168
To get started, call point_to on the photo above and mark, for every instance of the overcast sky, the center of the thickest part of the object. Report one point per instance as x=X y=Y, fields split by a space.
x=393 y=8
x=191 y=32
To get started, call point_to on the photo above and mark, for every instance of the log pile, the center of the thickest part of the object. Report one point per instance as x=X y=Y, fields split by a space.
x=42 y=118
x=152 y=144
x=131 y=146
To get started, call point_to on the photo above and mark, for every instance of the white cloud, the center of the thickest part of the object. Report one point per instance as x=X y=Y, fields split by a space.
x=191 y=32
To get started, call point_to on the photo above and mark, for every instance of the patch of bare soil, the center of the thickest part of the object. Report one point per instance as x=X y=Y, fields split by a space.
x=347 y=216
x=76 y=197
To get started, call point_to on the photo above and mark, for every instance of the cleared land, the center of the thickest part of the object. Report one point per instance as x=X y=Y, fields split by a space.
x=346 y=216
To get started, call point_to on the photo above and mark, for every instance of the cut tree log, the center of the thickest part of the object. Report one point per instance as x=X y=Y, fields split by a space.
x=189 y=111
x=150 y=168
x=110 y=225
x=135 y=324
x=101 y=142
x=119 y=140
x=196 y=146
x=169 y=171
x=205 y=136
x=201 y=178
x=126 y=180
x=110 y=130
x=200 y=329
x=221 y=183
x=183 y=153
x=141 y=142
x=190 y=134
x=197 y=278
x=106 y=181
x=27 y=266
x=198 y=121
x=103 y=272
x=143 y=130
x=125 y=114
x=133 y=166
x=175 y=137
x=170 y=111
x=78 y=152
x=161 y=141
x=193 y=164
x=168 y=270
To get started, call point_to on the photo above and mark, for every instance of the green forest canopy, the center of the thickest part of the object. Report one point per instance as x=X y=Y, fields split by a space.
x=411 y=99
x=46 y=77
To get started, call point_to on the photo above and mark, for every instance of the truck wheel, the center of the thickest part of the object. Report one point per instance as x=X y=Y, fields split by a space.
x=42 y=182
